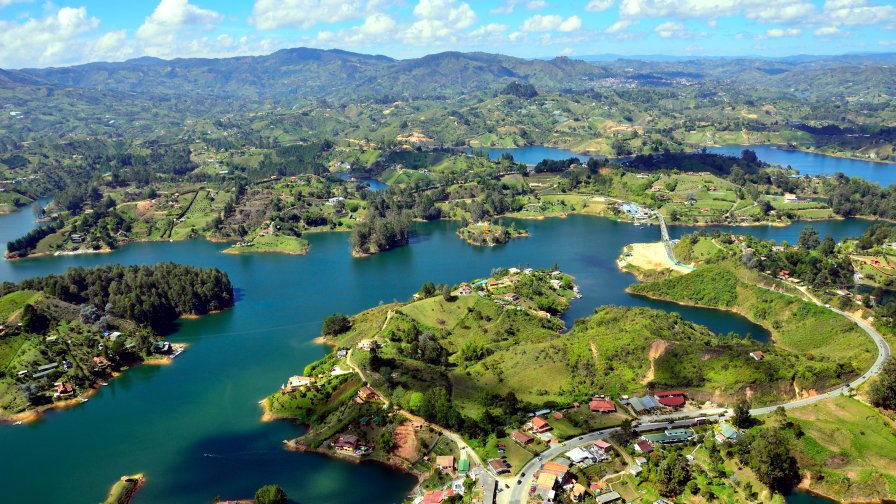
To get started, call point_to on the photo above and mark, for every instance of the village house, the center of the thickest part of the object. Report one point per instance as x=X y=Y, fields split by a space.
x=540 y=425
x=671 y=436
x=725 y=432
x=366 y=344
x=643 y=446
x=445 y=463
x=600 y=405
x=437 y=496
x=603 y=446
x=672 y=399
x=642 y=405
x=499 y=466
x=521 y=438
x=757 y=355
x=464 y=290
x=367 y=394
x=510 y=296
x=578 y=492
x=63 y=390
x=606 y=498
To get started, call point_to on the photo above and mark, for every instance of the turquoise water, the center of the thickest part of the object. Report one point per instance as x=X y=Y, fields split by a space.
x=532 y=154
x=815 y=164
x=193 y=427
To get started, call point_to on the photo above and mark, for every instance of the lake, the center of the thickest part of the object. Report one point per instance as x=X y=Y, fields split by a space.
x=531 y=154
x=193 y=426
x=816 y=164
x=806 y=162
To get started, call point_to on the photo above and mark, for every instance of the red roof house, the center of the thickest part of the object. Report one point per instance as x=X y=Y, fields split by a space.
x=602 y=405
x=673 y=399
x=540 y=425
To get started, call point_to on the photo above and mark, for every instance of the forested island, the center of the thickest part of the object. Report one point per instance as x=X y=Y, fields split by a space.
x=64 y=335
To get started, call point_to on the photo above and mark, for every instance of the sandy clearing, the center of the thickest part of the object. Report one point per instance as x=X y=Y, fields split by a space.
x=651 y=256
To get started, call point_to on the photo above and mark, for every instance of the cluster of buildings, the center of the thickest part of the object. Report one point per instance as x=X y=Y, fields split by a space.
x=349 y=444
x=671 y=400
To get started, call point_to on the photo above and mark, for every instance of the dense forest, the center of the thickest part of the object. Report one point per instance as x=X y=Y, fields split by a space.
x=149 y=295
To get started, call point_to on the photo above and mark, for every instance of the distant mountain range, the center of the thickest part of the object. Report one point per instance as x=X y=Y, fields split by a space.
x=336 y=74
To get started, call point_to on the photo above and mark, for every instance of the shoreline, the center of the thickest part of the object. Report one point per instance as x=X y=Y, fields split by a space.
x=32 y=415
x=138 y=481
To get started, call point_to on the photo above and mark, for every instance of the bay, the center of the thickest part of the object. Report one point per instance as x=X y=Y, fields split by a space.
x=193 y=427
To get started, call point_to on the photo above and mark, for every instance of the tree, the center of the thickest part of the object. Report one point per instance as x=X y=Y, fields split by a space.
x=808 y=238
x=270 y=494
x=742 y=418
x=883 y=390
x=827 y=246
x=673 y=475
x=336 y=323
x=771 y=461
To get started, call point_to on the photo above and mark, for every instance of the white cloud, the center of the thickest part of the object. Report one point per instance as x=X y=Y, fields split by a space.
x=827 y=31
x=551 y=22
x=669 y=29
x=780 y=11
x=567 y=51
x=599 y=5
x=489 y=29
x=376 y=27
x=162 y=32
x=273 y=14
x=53 y=39
x=783 y=32
x=438 y=21
x=618 y=26
x=536 y=4
x=857 y=12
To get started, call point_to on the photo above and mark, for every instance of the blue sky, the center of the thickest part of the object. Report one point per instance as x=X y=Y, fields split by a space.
x=35 y=34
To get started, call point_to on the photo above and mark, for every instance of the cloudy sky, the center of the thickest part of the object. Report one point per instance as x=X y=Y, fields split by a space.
x=34 y=34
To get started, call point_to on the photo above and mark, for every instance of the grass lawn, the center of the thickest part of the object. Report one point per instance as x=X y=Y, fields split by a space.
x=626 y=488
x=563 y=428
x=274 y=243
x=13 y=302
x=436 y=312
x=517 y=456
x=852 y=445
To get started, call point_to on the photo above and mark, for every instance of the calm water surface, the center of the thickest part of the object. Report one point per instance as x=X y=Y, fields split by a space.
x=531 y=154
x=193 y=427
x=815 y=164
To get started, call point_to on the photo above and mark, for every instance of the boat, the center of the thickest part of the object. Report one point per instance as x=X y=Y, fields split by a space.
x=18 y=423
x=84 y=400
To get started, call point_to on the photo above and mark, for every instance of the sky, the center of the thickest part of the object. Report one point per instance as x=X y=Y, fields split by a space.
x=35 y=34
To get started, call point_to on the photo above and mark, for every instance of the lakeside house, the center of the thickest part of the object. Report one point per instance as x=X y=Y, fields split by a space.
x=101 y=362
x=601 y=405
x=757 y=355
x=297 y=382
x=465 y=289
x=63 y=390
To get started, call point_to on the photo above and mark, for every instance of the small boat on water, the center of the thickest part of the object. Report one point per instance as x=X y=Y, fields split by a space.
x=84 y=400
x=18 y=423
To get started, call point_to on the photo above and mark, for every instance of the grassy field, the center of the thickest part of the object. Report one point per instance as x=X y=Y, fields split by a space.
x=849 y=447
x=812 y=332
x=435 y=312
x=273 y=242
x=517 y=456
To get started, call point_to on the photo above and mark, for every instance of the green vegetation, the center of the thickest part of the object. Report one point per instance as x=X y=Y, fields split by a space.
x=270 y=494
x=487 y=234
x=830 y=346
x=62 y=335
x=124 y=490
